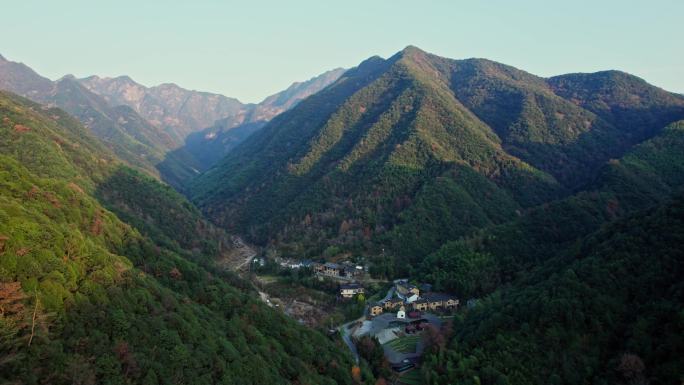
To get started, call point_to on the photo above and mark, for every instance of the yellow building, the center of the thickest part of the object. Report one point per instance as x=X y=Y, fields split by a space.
x=376 y=309
x=436 y=301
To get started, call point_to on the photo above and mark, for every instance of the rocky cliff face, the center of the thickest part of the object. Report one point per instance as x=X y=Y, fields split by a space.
x=177 y=110
x=181 y=112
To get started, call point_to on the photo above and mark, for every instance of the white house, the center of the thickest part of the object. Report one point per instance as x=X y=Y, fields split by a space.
x=350 y=290
x=411 y=298
x=401 y=314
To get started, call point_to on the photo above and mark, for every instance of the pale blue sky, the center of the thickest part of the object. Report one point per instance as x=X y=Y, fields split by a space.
x=250 y=49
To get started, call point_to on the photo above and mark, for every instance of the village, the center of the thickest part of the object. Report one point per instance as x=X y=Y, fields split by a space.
x=398 y=320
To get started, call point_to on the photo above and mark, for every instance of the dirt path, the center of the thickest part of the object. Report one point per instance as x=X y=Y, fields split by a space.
x=304 y=309
x=264 y=297
x=238 y=257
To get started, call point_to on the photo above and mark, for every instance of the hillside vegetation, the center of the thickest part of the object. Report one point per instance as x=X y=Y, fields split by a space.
x=106 y=275
x=646 y=176
x=610 y=313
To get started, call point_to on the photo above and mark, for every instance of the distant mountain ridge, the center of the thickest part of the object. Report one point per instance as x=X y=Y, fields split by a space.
x=130 y=136
x=177 y=110
x=148 y=127
x=182 y=112
x=298 y=91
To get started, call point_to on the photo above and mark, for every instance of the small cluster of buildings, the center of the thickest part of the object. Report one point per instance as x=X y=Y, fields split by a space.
x=409 y=298
x=349 y=290
x=295 y=264
x=344 y=270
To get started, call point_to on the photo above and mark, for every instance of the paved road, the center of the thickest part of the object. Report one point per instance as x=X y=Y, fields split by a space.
x=346 y=336
x=346 y=332
x=266 y=298
x=244 y=251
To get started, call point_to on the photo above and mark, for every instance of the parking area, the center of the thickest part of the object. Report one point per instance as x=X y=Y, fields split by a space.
x=401 y=338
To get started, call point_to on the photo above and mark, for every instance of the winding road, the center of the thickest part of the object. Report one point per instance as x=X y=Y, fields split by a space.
x=346 y=330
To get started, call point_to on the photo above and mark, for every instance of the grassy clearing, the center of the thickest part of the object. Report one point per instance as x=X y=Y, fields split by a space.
x=266 y=279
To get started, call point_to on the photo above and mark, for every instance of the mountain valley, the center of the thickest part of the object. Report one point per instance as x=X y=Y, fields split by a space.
x=159 y=235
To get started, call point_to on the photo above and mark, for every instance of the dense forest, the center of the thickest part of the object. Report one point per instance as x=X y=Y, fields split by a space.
x=106 y=277
x=647 y=175
x=608 y=313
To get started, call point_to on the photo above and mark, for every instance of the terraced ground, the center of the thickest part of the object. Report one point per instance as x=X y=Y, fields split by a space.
x=404 y=344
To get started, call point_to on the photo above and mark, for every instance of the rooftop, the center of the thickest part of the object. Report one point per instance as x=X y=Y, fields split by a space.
x=351 y=286
x=332 y=265
x=395 y=300
x=436 y=297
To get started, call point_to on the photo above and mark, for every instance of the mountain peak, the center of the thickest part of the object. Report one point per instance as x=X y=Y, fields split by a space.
x=298 y=91
x=412 y=54
x=171 y=86
x=91 y=77
x=412 y=50
x=67 y=77
x=125 y=78
x=2 y=58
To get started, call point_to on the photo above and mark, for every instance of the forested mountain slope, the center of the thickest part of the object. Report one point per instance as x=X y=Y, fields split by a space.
x=609 y=312
x=561 y=125
x=646 y=176
x=586 y=289
x=106 y=275
x=416 y=150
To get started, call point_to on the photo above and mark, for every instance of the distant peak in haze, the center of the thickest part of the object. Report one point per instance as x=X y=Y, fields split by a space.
x=412 y=49
x=182 y=111
x=300 y=90
x=326 y=73
x=411 y=52
x=124 y=77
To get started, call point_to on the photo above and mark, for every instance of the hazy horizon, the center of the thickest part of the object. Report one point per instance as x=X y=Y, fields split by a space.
x=250 y=51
